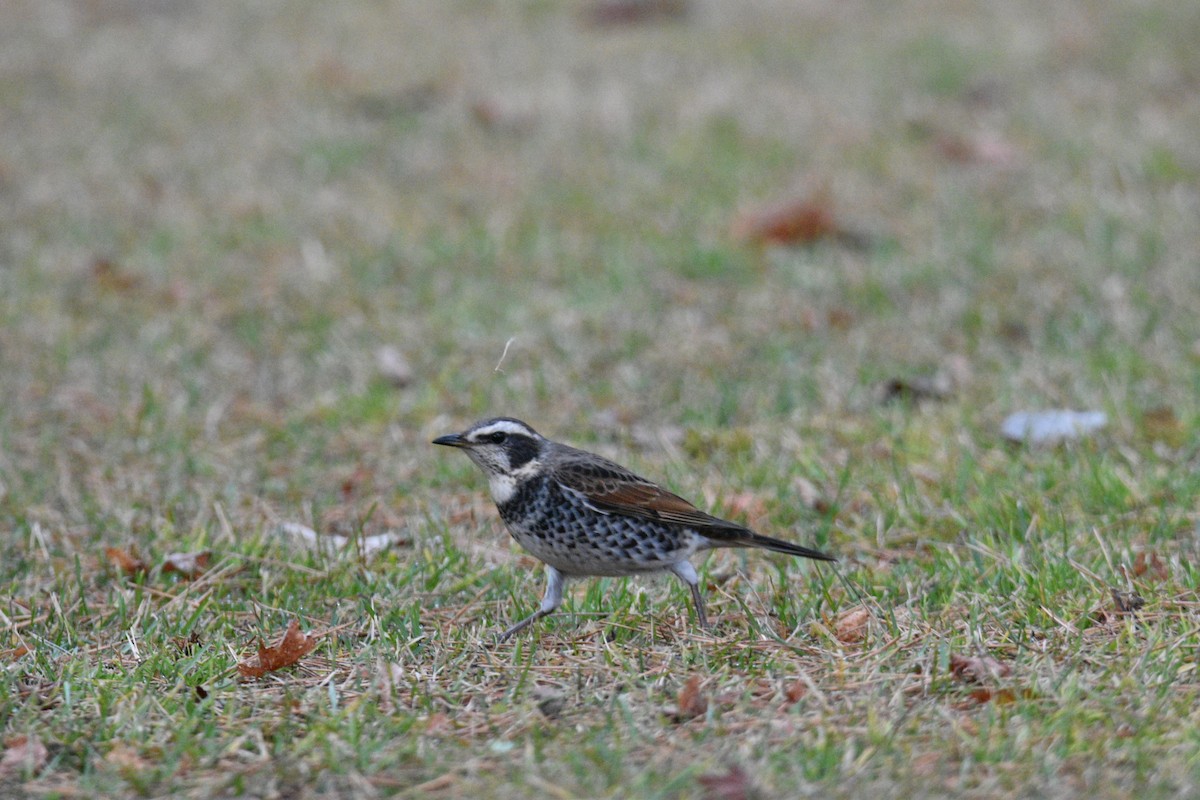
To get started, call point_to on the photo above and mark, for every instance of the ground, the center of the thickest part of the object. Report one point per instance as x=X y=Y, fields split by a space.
x=797 y=261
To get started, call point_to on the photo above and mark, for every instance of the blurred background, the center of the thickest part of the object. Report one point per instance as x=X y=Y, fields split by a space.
x=249 y=243
x=797 y=260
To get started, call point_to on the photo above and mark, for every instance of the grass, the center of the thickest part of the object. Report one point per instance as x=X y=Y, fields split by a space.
x=216 y=214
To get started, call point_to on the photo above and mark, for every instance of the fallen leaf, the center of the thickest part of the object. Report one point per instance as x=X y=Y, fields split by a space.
x=1127 y=602
x=351 y=484
x=796 y=221
x=125 y=561
x=111 y=277
x=1162 y=425
x=22 y=754
x=978 y=697
x=840 y=319
x=977 y=669
x=17 y=652
x=795 y=691
x=999 y=696
x=914 y=390
x=189 y=565
x=186 y=645
x=1153 y=567
x=851 y=625
x=291 y=648
x=1052 y=425
x=734 y=784
x=691 y=702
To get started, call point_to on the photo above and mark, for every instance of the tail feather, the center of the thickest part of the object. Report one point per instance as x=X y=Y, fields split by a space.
x=744 y=537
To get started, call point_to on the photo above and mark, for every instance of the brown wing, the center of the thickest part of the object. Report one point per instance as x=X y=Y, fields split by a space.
x=611 y=488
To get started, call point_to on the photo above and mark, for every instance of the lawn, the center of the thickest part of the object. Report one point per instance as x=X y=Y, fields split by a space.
x=796 y=261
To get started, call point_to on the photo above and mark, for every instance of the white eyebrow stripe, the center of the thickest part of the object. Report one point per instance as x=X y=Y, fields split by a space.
x=503 y=425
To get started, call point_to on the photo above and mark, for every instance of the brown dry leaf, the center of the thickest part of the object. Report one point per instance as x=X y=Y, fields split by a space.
x=17 y=652
x=125 y=560
x=1162 y=425
x=794 y=692
x=918 y=389
x=351 y=484
x=186 y=645
x=734 y=784
x=110 y=276
x=189 y=565
x=291 y=648
x=979 y=697
x=850 y=626
x=22 y=754
x=796 y=221
x=840 y=319
x=977 y=669
x=691 y=702
x=1000 y=696
x=1153 y=568
x=1126 y=603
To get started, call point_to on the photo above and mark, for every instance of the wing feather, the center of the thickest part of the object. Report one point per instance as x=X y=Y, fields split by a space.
x=613 y=489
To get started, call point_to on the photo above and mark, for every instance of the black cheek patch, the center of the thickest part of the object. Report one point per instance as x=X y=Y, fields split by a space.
x=521 y=450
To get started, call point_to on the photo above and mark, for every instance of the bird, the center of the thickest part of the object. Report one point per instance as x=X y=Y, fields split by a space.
x=583 y=515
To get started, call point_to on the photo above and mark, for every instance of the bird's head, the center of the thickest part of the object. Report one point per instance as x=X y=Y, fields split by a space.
x=506 y=449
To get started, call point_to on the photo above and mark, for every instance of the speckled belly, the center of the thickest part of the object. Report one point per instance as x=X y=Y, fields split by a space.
x=575 y=539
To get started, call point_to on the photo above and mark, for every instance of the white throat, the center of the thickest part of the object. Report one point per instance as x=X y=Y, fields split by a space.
x=504 y=486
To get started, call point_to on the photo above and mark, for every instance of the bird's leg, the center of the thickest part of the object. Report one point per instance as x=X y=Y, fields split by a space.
x=551 y=600
x=687 y=574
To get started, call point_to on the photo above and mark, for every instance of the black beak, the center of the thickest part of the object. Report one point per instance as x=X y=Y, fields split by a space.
x=451 y=440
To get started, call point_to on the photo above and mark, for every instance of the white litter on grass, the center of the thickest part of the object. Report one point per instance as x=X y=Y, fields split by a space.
x=333 y=543
x=393 y=366
x=1051 y=425
x=504 y=355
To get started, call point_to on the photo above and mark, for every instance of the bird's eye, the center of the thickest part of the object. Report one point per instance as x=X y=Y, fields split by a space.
x=498 y=437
